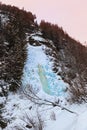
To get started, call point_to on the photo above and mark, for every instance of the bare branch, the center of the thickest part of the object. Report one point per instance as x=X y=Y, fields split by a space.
x=37 y=100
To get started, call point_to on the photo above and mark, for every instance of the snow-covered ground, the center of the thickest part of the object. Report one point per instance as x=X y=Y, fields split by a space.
x=47 y=85
x=18 y=107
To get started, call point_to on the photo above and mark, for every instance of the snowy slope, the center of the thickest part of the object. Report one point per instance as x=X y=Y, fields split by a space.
x=18 y=107
x=47 y=85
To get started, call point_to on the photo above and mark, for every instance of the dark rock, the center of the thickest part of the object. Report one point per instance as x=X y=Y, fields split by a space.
x=29 y=126
x=3 y=124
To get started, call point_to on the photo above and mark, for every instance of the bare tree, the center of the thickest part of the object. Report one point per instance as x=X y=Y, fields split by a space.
x=37 y=100
x=33 y=122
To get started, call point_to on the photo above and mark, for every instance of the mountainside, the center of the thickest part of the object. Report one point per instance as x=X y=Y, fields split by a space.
x=41 y=69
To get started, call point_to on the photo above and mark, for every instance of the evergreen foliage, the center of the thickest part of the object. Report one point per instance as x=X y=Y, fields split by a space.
x=13 y=43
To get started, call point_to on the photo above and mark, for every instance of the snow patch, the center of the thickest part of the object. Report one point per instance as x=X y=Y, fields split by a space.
x=4 y=18
x=38 y=38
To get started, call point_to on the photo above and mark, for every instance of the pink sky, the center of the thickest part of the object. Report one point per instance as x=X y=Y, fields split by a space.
x=70 y=14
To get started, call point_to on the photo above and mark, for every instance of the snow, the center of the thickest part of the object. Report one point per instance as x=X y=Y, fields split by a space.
x=38 y=67
x=2 y=100
x=17 y=106
x=6 y=43
x=4 y=18
x=82 y=122
x=64 y=121
x=12 y=110
x=38 y=38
